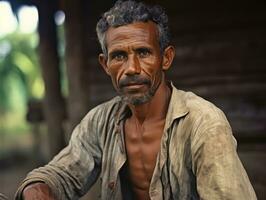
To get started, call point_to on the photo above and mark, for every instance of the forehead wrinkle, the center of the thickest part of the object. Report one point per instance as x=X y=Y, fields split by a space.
x=132 y=33
x=129 y=46
x=128 y=38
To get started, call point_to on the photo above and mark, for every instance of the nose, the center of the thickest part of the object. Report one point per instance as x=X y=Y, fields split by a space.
x=133 y=65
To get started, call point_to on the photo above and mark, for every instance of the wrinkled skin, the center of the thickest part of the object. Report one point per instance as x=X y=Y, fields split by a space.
x=38 y=191
x=134 y=61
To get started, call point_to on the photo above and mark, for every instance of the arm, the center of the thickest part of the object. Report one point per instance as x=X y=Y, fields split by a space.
x=38 y=190
x=75 y=169
x=218 y=169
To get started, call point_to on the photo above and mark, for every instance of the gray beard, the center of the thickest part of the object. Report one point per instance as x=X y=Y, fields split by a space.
x=141 y=99
x=138 y=100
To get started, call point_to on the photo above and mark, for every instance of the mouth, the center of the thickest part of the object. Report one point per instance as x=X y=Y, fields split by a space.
x=133 y=86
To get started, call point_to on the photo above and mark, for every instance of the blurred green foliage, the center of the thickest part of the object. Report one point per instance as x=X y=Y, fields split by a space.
x=20 y=78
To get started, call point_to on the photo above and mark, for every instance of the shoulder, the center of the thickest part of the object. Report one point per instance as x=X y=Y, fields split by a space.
x=203 y=118
x=208 y=123
x=199 y=106
x=98 y=120
x=206 y=126
x=196 y=106
x=104 y=110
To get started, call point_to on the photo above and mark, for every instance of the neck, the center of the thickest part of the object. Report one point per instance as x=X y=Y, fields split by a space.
x=156 y=108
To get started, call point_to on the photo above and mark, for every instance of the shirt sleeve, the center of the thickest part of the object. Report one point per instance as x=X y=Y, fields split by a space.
x=74 y=170
x=218 y=169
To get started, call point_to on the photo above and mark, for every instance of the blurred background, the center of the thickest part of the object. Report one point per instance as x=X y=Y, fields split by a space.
x=50 y=77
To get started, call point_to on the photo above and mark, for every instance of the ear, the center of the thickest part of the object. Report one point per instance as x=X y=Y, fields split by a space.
x=168 y=57
x=103 y=61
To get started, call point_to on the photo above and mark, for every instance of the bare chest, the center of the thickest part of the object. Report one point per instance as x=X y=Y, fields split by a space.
x=142 y=146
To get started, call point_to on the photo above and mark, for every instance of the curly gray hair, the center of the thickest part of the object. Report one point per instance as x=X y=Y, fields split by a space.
x=127 y=12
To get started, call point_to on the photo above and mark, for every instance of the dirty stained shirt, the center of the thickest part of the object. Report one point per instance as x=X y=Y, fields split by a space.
x=197 y=158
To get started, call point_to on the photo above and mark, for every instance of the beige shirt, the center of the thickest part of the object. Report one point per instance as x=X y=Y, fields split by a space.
x=197 y=158
x=2 y=197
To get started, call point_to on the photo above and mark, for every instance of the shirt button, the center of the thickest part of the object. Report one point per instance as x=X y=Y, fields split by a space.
x=111 y=185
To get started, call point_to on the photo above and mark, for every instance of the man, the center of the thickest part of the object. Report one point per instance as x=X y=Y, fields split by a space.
x=151 y=142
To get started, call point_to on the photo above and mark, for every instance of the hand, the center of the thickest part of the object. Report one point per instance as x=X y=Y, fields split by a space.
x=38 y=191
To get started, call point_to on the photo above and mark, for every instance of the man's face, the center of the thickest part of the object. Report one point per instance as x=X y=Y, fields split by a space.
x=134 y=61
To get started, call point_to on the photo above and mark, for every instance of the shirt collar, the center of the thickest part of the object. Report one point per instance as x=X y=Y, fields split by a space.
x=122 y=111
x=177 y=107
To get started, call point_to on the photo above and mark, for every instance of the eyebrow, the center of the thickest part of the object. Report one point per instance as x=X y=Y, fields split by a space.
x=143 y=48
x=116 y=52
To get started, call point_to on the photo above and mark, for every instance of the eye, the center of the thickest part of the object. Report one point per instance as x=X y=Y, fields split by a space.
x=118 y=56
x=144 y=52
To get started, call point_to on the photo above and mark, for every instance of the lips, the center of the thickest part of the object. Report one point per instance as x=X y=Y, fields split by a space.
x=126 y=82
x=134 y=85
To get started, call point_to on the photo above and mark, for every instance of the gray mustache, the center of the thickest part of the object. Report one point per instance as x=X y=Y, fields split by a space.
x=136 y=79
